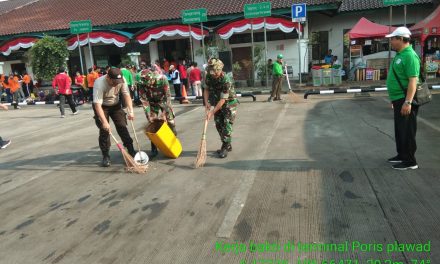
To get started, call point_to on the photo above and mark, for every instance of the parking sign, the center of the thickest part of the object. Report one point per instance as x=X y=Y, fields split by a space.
x=299 y=12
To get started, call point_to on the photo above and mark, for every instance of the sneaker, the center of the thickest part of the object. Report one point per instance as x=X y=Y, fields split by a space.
x=405 y=166
x=77 y=112
x=105 y=162
x=396 y=159
x=270 y=99
x=63 y=116
x=18 y=107
x=4 y=144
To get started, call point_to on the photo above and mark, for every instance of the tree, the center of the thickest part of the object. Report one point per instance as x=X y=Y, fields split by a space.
x=47 y=55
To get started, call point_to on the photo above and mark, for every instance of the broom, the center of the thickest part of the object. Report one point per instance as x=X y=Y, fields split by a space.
x=201 y=156
x=130 y=163
x=293 y=97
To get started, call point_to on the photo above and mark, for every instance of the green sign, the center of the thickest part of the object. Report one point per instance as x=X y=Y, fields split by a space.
x=194 y=16
x=80 y=27
x=397 y=2
x=258 y=10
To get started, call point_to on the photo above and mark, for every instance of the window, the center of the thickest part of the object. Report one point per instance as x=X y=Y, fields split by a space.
x=319 y=42
x=259 y=37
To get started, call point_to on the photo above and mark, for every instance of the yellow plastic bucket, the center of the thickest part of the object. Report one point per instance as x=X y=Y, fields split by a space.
x=163 y=137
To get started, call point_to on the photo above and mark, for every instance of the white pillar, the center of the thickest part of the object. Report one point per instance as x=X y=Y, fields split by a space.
x=198 y=47
x=2 y=71
x=86 y=54
x=154 y=52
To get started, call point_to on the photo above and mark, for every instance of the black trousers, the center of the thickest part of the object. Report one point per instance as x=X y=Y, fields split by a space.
x=405 y=128
x=177 y=90
x=120 y=120
x=70 y=101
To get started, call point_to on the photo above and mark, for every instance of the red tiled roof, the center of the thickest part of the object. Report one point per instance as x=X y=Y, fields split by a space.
x=7 y=6
x=47 y=15
x=350 y=5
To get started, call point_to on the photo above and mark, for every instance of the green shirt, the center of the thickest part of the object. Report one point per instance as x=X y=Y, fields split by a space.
x=407 y=65
x=277 y=69
x=128 y=76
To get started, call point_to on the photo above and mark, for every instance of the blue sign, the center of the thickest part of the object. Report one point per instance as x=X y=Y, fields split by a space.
x=299 y=12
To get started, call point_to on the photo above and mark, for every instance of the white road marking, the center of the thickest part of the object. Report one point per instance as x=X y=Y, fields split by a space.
x=246 y=182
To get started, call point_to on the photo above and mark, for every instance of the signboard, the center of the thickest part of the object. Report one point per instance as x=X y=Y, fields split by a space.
x=80 y=27
x=192 y=16
x=397 y=2
x=299 y=13
x=263 y=9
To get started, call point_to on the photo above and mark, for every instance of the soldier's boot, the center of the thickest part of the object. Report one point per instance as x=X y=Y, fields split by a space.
x=154 y=151
x=225 y=145
x=224 y=151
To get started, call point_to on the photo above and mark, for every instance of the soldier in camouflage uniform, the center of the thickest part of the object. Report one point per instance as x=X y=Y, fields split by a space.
x=219 y=92
x=156 y=97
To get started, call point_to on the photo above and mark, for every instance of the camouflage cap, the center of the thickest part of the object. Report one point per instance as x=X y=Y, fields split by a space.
x=215 y=64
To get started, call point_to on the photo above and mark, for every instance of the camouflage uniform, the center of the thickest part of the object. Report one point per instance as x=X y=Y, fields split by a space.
x=223 y=88
x=156 y=97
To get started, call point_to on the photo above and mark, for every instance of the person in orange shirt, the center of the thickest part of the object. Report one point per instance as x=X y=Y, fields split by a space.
x=27 y=84
x=91 y=77
x=14 y=87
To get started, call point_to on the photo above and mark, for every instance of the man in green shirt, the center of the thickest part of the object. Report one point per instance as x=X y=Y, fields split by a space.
x=402 y=81
x=128 y=75
x=278 y=75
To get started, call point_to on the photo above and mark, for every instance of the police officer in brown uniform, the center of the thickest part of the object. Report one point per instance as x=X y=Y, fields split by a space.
x=106 y=105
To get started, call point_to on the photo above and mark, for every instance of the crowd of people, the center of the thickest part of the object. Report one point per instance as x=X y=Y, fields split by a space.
x=15 y=88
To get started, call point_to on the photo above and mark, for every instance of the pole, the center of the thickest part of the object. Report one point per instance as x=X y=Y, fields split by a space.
x=80 y=54
x=253 y=55
x=405 y=13
x=203 y=43
x=299 y=53
x=265 y=55
x=191 y=44
x=389 y=40
x=90 y=50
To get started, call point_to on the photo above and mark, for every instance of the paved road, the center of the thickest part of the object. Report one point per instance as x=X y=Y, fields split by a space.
x=311 y=172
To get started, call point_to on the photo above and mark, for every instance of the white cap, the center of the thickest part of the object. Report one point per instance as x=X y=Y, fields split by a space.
x=400 y=32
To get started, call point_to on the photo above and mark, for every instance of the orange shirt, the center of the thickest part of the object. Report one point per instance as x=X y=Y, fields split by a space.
x=91 y=77
x=14 y=84
x=27 y=79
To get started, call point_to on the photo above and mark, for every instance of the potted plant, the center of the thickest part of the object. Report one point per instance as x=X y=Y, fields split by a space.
x=236 y=68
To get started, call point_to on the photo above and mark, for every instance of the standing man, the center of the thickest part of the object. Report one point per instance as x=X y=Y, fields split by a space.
x=91 y=78
x=128 y=75
x=14 y=86
x=175 y=77
x=4 y=143
x=195 y=78
x=27 y=84
x=62 y=85
x=278 y=75
x=156 y=96
x=402 y=81
x=106 y=105
x=220 y=93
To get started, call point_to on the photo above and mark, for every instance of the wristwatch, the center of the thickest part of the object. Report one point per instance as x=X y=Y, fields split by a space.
x=408 y=102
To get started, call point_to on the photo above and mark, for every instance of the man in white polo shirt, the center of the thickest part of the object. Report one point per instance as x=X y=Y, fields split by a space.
x=106 y=105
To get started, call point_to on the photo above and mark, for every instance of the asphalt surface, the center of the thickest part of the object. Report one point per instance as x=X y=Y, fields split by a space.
x=312 y=172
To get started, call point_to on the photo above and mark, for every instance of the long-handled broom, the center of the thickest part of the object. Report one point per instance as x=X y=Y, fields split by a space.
x=130 y=164
x=201 y=156
x=293 y=97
